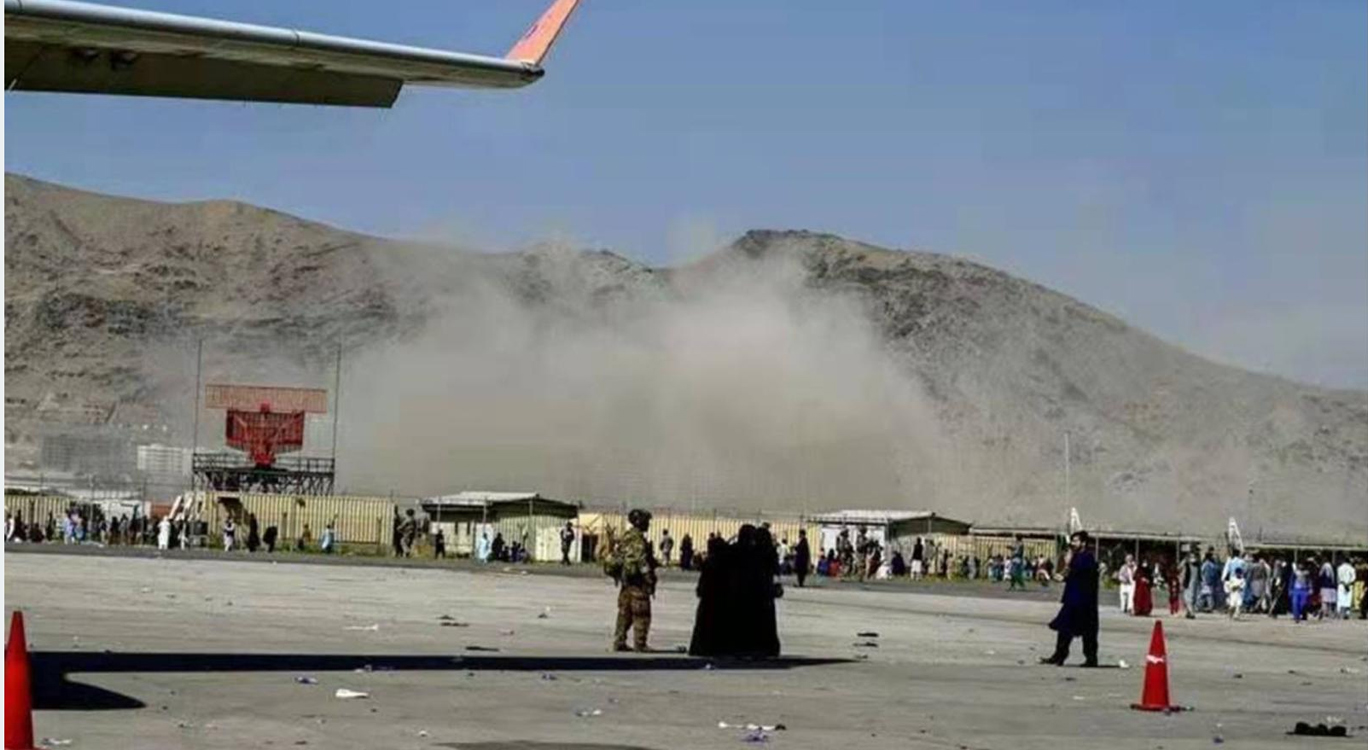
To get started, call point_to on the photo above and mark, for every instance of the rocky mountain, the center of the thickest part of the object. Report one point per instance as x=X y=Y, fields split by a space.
x=788 y=370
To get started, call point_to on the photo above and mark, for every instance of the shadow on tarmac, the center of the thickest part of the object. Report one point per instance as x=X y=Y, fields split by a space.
x=53 y=690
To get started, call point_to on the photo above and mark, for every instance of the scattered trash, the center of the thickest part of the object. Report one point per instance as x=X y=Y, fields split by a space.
x=867 y=634
x=363 y=669
x=53 y=742
x=866 y=644
x=709 y=666
x=146 y=590
x=306 y=680
x=480 y=648
x=1079 y=698
x=1218 y=739
x=588 y=712
x=422 y=733
x=1348 y=670
x=1238 y=675
x=506 y=632
x=681 y=649
x=455 y=624
x=861 y=657
x=755 y=737
x=545 y=614
x=548 y=676
x=349 y=694
x=446 y=617
x=1320 y=730
x=1122 y=664
x=372 y=627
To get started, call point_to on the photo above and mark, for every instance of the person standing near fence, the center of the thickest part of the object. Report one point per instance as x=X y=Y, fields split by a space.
x=1302 y=580
x=1344 y=597
x=666 y=547
x=164 y=533
x=567 y=540
x=1125 y=575
x=802 y=558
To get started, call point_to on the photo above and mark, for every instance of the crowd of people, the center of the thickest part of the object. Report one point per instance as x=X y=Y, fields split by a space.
x=1255 y=583
x=166 y=533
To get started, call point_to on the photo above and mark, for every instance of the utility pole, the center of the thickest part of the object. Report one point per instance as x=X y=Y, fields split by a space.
x=1068 y=495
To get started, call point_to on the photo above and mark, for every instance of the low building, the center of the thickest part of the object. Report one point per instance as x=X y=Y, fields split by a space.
x=523 y=517
x=892 y=529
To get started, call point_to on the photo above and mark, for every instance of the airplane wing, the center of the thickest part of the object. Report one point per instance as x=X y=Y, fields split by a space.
x=74 y=47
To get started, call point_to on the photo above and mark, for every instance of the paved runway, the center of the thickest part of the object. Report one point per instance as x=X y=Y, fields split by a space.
x=206 y=653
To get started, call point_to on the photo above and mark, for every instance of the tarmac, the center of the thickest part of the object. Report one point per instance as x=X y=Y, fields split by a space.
x=197 y=651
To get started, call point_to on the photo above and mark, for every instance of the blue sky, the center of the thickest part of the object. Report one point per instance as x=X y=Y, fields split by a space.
x=1199 y=169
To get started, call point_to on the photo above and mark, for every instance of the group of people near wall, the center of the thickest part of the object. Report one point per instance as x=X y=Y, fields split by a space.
x=1327 y=587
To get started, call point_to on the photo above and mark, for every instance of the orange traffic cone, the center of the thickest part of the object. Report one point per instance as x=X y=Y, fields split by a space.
x=1155 y=696
x=18 y=696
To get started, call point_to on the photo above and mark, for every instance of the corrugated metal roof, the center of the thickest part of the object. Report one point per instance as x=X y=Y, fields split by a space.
x=875 y=516
x=476 y=498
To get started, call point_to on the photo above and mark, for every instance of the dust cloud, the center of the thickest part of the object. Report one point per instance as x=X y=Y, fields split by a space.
x=553 y=372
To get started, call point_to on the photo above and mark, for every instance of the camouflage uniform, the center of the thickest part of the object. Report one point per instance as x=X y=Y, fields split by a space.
x=633 y=566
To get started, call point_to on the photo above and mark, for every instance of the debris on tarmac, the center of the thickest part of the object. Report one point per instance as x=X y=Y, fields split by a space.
x=53 y=742
x=1306 y=729
x=1122 y=664
x=455 y=624
x=867 y=634
x=372 y=627
x=585 y=713
x=480 y=648
x=303 y=680
x=346 y=694
x=866 y=644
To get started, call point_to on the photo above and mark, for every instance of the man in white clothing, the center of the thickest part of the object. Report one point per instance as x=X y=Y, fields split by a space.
x=1126 y=576
x=1344 y=599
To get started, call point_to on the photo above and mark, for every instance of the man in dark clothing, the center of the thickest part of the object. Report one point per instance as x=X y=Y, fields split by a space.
x=439 y=544
x=269 y=538
x=253 y=533
x=1078 y=615
x=686 y=552
x=497 y=549
x=567 y=539
x=802 y=557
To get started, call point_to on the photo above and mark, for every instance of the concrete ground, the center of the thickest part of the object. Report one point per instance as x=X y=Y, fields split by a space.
x=205 y=653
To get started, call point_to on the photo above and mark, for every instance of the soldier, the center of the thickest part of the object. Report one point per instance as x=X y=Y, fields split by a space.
x=408 y=532
x=632 y=565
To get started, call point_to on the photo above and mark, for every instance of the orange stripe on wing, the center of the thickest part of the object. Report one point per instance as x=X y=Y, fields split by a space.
x=534 y=45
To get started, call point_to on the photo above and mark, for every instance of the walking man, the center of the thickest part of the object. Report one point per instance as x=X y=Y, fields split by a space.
x=1077 y=616
x=632 y=566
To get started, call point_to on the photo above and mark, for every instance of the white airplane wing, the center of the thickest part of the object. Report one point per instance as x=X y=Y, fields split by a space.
x=57 y=45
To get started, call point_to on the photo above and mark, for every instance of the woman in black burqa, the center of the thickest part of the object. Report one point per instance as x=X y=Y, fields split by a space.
x=736 y=592
x=713 y=622
x=761 y=588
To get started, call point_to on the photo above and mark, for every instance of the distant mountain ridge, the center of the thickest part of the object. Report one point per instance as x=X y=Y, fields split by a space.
x=999 y=368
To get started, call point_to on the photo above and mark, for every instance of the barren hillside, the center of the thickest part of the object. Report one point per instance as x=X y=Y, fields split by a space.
x=791 y=370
